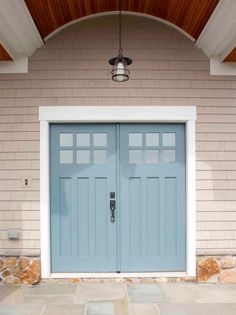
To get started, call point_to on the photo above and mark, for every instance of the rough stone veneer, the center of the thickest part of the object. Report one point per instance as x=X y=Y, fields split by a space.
x=210 y=269
x=216 y=269
x=19 y=270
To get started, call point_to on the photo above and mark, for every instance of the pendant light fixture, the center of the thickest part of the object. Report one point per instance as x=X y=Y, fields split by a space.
x=120 y=73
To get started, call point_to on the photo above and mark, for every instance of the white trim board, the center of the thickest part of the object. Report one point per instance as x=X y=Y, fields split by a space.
x=19 y=65
x=222 y=68
x=103 y=114
x=219 y=34
x=119 y=275
x=17 y=29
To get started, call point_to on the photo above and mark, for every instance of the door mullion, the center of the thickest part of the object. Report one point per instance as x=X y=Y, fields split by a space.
x=118 y=213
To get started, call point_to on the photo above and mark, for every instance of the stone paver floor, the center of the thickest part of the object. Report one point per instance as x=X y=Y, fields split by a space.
x=118 y=299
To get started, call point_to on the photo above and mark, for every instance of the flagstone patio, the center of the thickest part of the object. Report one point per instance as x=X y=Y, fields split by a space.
x=118 y=299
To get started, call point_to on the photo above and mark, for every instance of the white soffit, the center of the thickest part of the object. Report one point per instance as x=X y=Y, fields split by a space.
x=218 y=37
x=18 y=34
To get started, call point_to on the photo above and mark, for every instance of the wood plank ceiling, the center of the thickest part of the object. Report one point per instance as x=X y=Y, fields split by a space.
x=4 y=54
x=189 y=15
x=232 y=56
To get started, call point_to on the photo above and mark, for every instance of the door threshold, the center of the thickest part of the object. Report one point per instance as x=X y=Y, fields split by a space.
x=61 y=275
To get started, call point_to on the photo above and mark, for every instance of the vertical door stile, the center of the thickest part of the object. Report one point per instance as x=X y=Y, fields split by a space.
x=118 y=212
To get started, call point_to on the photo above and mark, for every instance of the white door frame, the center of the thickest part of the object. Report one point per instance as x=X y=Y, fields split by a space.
x=116 y=114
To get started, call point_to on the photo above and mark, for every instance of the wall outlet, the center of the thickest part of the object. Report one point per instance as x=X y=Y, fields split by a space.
x=14 y=234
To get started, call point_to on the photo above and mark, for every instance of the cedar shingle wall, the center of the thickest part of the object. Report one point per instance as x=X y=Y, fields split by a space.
x=72 y=69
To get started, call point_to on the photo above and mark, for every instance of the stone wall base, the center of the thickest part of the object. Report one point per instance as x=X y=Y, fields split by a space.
x=216 y=269
x=19 y=270
x=210 y=269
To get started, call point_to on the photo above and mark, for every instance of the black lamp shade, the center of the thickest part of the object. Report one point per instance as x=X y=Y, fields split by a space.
x=120 y=73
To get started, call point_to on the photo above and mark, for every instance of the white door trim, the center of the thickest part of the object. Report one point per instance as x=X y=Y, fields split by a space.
x=105 y=114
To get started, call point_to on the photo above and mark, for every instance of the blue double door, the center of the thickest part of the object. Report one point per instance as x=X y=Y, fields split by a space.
x=117 y=197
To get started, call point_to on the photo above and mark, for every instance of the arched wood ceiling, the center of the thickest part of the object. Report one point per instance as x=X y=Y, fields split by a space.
x=189 y=15
x=4 y=54
x=232 y=56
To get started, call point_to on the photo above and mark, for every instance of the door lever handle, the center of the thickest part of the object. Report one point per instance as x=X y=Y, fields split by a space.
x=113 y=208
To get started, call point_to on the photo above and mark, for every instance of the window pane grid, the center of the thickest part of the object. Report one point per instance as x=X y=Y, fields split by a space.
x=66 y=140
x=99 y=140
x=83 y=139
x=168 y=139
x=66 y=156
x=169 y=156
x=135 y=140
x=83 y=156
x=152 y=140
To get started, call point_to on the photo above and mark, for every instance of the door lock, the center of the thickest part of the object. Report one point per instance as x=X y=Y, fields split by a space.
x=112 y=195
x=113 y=208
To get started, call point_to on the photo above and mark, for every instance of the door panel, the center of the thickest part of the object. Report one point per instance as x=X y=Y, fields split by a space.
x=152 y=197
x=83 y=173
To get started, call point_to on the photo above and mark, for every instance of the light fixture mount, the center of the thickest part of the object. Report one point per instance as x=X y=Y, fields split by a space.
x=120 y=73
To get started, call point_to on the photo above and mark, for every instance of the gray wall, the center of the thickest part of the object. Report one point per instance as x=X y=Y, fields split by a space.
x=72 y=69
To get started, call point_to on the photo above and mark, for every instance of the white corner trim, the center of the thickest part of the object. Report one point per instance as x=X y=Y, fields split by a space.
x=218 y=35
x=100 y=114
x=222 y=68
x=19 y=65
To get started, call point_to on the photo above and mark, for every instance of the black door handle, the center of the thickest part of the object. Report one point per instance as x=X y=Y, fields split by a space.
x=113 y=208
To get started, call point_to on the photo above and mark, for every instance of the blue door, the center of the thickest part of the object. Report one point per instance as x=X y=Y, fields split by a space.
x=152 y=197
x=83 y=164
x=117 y=197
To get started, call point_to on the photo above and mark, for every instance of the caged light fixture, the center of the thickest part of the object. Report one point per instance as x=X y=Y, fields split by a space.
x=120 y=73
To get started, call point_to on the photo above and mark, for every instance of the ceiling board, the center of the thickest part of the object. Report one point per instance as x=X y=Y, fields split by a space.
x=4 y=54
x=189 y=15
x=231 y=56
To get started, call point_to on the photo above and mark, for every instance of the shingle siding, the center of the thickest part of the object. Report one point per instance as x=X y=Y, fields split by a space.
x=72 y=69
